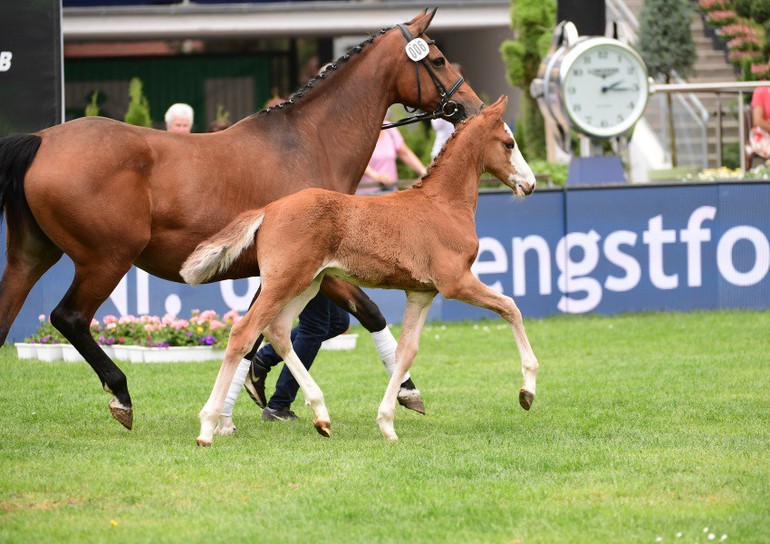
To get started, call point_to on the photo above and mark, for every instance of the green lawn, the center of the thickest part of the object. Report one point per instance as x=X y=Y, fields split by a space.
x=645 y=426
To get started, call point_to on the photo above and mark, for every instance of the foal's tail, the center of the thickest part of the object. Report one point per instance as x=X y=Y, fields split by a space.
x=220 y=251
x=16 y=154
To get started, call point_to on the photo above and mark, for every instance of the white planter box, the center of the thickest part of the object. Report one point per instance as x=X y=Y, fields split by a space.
x=49 y=352
x=134 y=354
x=70 y=354
x=343 y=341
x=108 y=351
x=178 y=354
x=26 y=351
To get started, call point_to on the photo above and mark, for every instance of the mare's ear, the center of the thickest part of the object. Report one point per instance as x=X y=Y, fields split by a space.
x=420 y=24
x=498 y=108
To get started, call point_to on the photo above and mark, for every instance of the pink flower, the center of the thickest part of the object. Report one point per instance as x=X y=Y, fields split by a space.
x=41 y=318
x=145 y=319
x=215 y=324
x=94 y=322
x=231 y=315
x=109 y=319
x=111 y=326
x=126 y=319
x=149 y=327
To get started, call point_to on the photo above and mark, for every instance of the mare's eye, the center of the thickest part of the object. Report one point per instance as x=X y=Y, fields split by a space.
x=439 y=62
x=510 y=145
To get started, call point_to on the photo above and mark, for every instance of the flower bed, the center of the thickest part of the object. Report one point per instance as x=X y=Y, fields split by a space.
x=150 y=339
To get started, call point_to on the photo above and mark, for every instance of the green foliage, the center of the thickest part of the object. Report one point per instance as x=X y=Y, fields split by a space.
x=760 y=11
x=556 y=172
x=92 y=109
x=222 y=114
x=46 y=334
x=138 y=107
x=665 y=40
x=419 y=138
x=742 y=7
x=532 y=22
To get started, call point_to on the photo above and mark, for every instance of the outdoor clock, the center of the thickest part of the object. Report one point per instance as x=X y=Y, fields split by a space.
x=595 y=85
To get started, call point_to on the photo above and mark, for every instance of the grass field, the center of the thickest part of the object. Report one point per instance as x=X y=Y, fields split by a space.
x=645 y=426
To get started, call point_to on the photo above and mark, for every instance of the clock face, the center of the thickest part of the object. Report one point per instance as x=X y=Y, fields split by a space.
x=605 y=89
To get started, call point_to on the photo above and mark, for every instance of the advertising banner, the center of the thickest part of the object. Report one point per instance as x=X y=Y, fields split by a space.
x=30 y=65
x=604 y=250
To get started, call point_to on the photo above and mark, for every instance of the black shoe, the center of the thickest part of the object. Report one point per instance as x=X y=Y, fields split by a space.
x=255 y=383
x=278 y=414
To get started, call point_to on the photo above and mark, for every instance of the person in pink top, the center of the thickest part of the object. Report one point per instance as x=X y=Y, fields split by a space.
x=760 y=122
x=382 y=166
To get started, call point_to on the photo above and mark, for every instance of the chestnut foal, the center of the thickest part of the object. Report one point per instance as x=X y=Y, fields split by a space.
x=422 y=240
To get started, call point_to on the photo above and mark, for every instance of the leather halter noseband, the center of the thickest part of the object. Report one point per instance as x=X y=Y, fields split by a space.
x=446 y=108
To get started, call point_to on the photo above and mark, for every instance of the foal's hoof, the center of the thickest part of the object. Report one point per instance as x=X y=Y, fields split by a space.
x=323 y=427
x=409 y=397
x=526 y=399
x=203 y=443
x=124 y=415
x=225 y=426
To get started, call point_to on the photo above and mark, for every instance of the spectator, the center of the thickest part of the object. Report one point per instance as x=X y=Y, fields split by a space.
x=759 y=139
x=179 y=118
x=382 y=166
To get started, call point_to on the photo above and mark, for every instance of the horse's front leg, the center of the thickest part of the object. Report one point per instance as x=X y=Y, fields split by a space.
x=469 y=289
x=417 y=306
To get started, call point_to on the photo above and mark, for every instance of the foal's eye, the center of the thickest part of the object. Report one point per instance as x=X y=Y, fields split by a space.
x=510 y=145
x=439 y=62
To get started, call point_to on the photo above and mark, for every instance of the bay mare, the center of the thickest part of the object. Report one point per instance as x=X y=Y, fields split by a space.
x=110 y=195
x=422 y=240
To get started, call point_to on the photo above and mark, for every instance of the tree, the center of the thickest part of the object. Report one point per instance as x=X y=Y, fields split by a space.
x=665 y=43
x=532 y=22
x=92 y=109
x=138 y=108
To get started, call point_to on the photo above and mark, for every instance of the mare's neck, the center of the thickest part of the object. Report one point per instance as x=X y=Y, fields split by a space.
x=342 y=114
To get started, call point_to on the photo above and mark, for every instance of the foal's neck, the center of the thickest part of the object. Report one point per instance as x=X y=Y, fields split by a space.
x=454 y=175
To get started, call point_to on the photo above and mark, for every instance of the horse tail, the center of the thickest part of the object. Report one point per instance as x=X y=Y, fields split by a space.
x=17 y=152
x=220 y=251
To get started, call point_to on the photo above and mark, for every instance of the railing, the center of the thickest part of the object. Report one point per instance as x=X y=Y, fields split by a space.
x=732 y=87
x=690 y=116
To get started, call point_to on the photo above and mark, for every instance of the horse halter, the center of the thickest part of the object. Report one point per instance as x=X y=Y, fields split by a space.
x=446 y=108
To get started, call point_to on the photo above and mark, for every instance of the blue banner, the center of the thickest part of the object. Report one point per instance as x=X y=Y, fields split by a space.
x=602 y=250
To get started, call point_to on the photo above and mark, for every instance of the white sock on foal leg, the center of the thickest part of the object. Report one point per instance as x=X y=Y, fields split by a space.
x=235 y=388
x=386 y=348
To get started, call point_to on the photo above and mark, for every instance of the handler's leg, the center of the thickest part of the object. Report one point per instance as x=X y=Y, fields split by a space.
x=417 y=306
x=469 y=289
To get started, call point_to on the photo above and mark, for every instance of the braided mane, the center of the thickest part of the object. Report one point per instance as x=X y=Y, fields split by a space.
x=450 y=143
x=298 y=94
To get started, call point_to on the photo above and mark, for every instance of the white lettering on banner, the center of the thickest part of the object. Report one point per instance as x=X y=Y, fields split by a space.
x=761 y=256
x=575 y=274
x=5 y=60
x=573 y=277
x=237 y=302
x=142 y=292
x=694 y=236
x=622 y=260
x=119 y=296
x=655 y=236
x=520 y=248
x=498 y=264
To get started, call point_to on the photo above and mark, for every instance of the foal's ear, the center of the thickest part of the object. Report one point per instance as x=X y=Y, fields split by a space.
x=420 y=24
x=498 y=108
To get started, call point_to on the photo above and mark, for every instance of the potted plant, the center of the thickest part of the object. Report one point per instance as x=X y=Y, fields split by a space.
x=46 y=342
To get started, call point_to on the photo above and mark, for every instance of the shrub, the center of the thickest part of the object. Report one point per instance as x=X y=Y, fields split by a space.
x=760 y=11
x=138 y=112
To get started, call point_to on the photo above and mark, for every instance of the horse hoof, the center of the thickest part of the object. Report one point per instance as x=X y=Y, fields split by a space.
x=223 y=430
x=526 y=399
x=203 y=443
x=125 y=416
x=323 y=428
x=411 y=399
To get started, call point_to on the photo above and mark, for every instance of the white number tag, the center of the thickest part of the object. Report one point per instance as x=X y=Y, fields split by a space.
x=417 y=49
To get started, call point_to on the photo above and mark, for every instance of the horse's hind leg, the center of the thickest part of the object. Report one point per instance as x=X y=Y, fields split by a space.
x=469 y=289
x=417 y=306
x=352 y=299
x=72 y=317
x=26 y=264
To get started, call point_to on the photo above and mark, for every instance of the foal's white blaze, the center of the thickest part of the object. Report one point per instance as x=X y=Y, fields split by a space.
x=524 y=174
